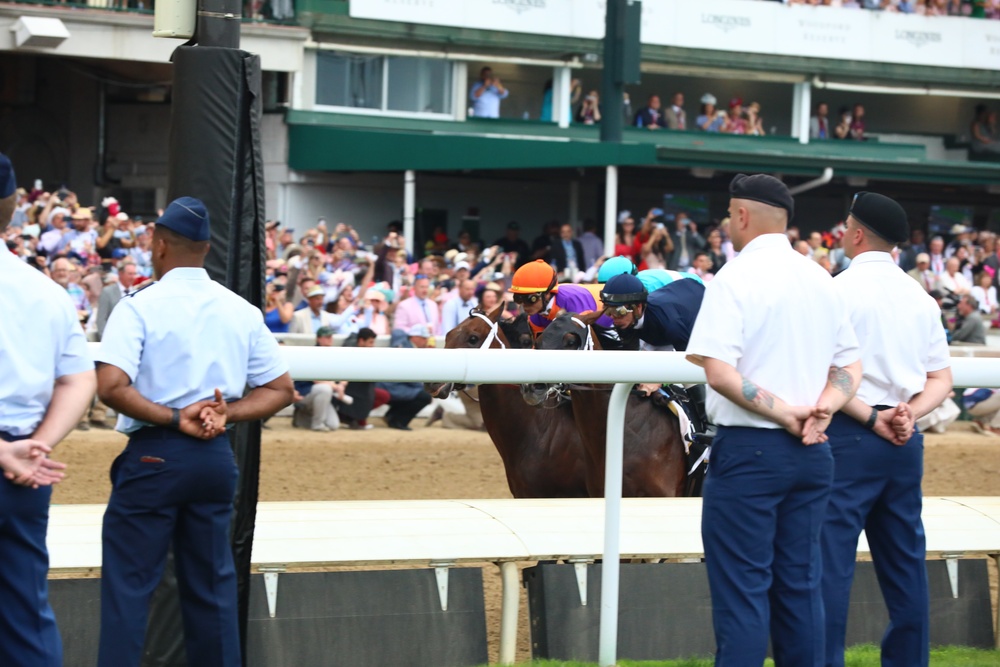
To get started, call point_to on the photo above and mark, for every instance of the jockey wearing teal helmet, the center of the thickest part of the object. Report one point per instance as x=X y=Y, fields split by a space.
x=652 y=279
x=615 y=266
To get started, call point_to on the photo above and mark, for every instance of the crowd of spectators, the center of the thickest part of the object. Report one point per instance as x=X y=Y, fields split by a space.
x=849 y=124
x=736 y=119
x=325 y=281
x=983 y=9
x=959 y=269
x=86 y=250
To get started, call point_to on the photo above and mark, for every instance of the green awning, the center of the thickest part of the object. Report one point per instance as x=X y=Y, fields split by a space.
x=321 y=141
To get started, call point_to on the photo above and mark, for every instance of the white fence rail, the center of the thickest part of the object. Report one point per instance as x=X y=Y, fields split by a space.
x=530 y=366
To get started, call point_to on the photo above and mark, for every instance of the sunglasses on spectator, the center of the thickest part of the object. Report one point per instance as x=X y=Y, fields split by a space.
x=528 y=299
x=421 y=276
x=620 y=311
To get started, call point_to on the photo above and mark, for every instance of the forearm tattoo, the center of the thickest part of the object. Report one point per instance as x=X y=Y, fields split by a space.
x=841 y=379
x=756 y=395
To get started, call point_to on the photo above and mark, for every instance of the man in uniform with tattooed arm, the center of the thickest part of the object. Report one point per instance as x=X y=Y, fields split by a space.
x=780 y=357
x=879 y=460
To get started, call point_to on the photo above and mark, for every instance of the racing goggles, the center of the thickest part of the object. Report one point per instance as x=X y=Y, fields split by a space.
x=528 y=299
x=620 y=311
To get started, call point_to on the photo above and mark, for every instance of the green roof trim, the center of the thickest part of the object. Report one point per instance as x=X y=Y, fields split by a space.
x=323 y=141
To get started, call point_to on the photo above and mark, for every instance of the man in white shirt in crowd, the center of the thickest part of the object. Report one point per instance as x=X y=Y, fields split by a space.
x=456 y=309
x=952 y=280
x=780 y=355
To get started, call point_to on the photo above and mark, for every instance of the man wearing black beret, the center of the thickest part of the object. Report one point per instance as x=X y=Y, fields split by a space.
x=780 y=357
x=878 y=459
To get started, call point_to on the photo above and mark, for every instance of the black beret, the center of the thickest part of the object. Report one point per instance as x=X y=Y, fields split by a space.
x=763 y=188
x=882 y=215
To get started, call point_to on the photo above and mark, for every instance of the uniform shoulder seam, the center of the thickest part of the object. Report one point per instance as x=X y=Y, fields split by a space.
x=142 y=289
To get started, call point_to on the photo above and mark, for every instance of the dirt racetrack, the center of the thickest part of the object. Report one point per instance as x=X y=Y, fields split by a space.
x=385 y=464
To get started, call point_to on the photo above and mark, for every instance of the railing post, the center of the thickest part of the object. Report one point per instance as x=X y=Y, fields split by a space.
x=509 y=607
x=608 y=646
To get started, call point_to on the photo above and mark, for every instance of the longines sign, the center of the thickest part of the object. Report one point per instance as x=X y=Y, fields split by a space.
x=739 y=26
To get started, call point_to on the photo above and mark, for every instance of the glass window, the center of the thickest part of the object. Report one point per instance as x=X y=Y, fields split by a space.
x=414 y=85
x=349 y=80
x=421 y=85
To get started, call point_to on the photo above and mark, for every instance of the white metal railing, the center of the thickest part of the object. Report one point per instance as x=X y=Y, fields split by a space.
x=527 y=366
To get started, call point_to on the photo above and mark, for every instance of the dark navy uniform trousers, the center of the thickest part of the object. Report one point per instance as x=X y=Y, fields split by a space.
x=764 y=503
x=876 y=487
x=167 y=487
x=28 y=633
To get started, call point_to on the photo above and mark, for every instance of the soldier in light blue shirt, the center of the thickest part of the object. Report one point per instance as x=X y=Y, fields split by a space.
x=46 y=384
x=175 y=360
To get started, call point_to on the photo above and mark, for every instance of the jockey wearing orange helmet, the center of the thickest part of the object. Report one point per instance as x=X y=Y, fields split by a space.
x=541 y=297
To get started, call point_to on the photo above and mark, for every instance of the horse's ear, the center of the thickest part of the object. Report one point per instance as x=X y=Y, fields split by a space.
x=591 y=317
x=495 y=314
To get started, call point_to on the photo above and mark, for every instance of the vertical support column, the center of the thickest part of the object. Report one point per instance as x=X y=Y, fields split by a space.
x=574 y=202
x=610 y=209
x=460 y=90
x=509 y=606
x=409 y=207
x=561 y=94
x=608 y=639
x=801 y=108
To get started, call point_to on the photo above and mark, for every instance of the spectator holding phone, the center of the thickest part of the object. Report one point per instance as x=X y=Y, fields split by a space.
x=486 y=95
x=843 y=128
x=589 y=112
x=278 y=311
x=657 y=244
x=687 y=243
x=710 y=119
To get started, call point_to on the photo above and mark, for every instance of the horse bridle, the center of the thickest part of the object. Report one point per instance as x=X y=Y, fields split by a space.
x=492 y=336
x=589 y=343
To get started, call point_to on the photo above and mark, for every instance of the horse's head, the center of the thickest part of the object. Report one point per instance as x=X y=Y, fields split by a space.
x=568 y=331
x=479 y=330
x=518 y=332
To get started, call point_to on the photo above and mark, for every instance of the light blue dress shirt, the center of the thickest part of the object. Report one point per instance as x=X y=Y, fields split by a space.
x=455 y=311
x=486 y=105
x=182 y=337
x=40 y=340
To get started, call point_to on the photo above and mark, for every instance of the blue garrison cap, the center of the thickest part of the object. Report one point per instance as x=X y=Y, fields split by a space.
x=186 y=216
x=8 y=183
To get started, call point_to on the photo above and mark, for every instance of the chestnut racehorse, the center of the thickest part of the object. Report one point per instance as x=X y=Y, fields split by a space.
x=541 y=449
x=654 y=461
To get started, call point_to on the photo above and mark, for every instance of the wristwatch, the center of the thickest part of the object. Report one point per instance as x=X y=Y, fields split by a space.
x=175 y=418
x=872 y=418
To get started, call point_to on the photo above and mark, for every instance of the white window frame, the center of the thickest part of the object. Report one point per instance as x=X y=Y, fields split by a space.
x=457 y=68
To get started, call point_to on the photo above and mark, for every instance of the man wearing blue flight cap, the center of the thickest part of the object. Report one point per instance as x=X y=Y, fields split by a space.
x=46 y=384
x=174 y=358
